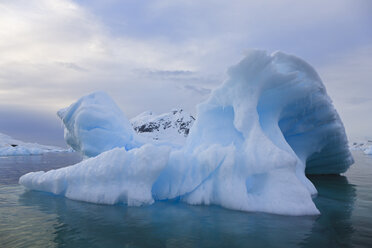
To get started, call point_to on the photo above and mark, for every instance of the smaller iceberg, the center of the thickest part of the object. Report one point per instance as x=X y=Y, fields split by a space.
x=12 y=147
x=95 y=124
x=368 y=150
x=250 y=148
x=364 y=146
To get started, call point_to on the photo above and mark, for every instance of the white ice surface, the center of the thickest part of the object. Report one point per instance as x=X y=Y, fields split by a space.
x=248 y=149
x=116 y=176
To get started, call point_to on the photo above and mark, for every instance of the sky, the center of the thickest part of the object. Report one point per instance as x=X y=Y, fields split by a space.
x=164 y=54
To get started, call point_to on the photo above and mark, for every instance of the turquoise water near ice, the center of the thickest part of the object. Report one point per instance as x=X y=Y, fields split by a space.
x=37 y=219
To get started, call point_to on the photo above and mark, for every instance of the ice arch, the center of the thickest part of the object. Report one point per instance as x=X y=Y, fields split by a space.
x=306 y=117
x=272 y=120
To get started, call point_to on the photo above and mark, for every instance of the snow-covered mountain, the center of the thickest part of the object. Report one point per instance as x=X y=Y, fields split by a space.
x=12 y=147
x=170 y=127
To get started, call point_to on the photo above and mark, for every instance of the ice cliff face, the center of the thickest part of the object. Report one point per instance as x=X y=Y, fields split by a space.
x=173 y=127
x=249 y=148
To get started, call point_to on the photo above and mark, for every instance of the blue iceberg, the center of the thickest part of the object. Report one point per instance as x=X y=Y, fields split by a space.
x=250 y=148
x=95 y=124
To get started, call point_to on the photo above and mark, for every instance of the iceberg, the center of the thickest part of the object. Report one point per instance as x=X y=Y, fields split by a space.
x=95 y=124
x=13 y=147
x=364 y=146
x=368 y=151
x=250 y=147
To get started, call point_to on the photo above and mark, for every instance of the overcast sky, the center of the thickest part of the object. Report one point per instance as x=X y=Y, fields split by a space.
x=161 y=54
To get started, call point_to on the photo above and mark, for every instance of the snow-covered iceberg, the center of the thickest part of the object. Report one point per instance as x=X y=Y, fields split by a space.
x=13 y=147
x=249 y=148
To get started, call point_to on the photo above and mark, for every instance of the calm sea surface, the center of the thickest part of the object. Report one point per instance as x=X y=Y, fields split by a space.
x=36 y=219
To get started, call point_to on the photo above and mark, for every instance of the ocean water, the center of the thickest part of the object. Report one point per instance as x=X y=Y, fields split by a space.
x=36 y=219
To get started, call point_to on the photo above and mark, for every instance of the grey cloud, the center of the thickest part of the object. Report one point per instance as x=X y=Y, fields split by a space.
x=359 y=100
x=170 y=73
x=200 y=90
x=186 y=77
x=72 y=66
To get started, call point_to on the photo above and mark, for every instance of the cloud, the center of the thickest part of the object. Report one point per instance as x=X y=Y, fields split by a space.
x=348 y=80
x=163 y=54
x=167 y=74
x=200 y=90
x=308 y=29
x=72 y=66
x=41 y=39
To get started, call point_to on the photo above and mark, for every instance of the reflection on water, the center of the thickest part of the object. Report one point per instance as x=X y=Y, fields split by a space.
x=29 y=218
x=165 y=224
x=12 y=167
x=335 y=201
